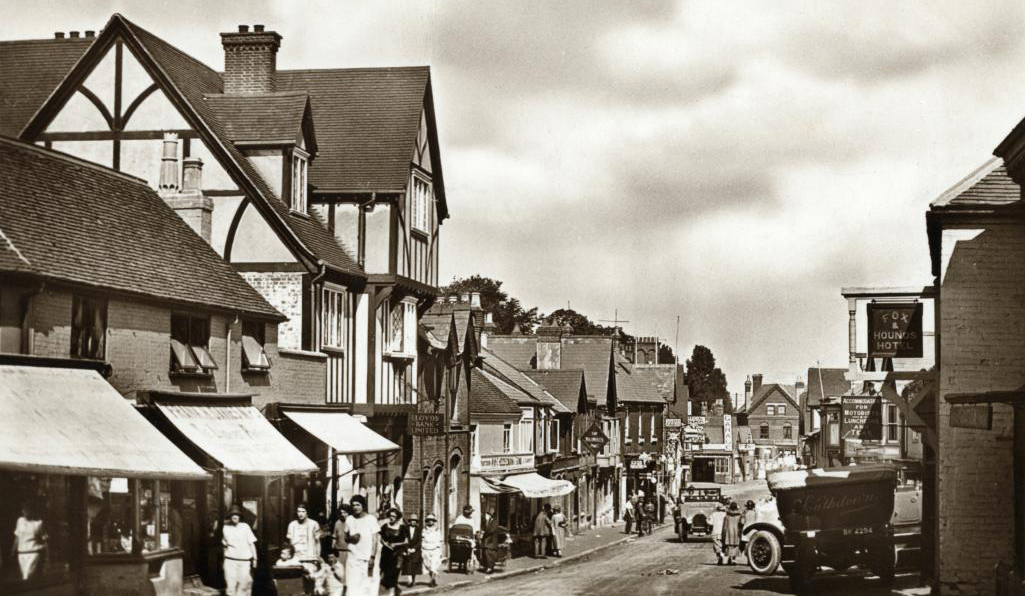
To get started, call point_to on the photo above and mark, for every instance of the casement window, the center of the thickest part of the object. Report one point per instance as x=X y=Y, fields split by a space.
x=526 y=442
x=299 y=182
x=781 y=410
x=788 y=431
x=400 y=329
x=891 y=423
x=553 y=435
x=421 y=204
x=507 y=438
x=190 y=338
x=88 y=328
x=763 y=430
x=833 y=427
x=654 y=438
x=627 y=439
x=254 y=357
x=722 y=465
x=770 y=410
x=333 y=315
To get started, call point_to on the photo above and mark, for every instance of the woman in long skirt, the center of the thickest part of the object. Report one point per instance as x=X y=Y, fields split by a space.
x=412 y=560
x=558 y=531
x=431 y=542
x=394 y=537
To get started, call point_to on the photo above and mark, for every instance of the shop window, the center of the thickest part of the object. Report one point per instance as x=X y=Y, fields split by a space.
x=763 y=431
x=190 y=338
x=788 y=431
x=88 y=327
x=113 y=527
x=35 y=515
x=506 y=438
x=722 y=465
x=254 y=357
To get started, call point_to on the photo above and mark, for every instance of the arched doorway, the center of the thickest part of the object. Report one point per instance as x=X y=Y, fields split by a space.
x=454 y=507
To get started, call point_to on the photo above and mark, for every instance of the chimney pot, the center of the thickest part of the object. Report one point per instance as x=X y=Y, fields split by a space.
x=257 y=28
x=192 y=174
x=169 y=164
x=58 y=35
x=90 y=34
x=453 y=298
x=74 y=34
x=475 y=299
x=464 y=297
x=243 y=28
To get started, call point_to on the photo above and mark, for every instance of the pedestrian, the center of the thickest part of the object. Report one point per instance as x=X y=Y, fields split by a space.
x=339 y=545
x=718 y=521
x=558 y=531
x=362 y=532
x=732 y=529
x=628 y=515
x=394 y=539
x=304 y=534
x=542 y=532
x=239 y=554
x=649 y=515
x=30 y=541
x=334 y=576
x=412 y=559
x=466 y=517
x=490 y=540
x=431 y=542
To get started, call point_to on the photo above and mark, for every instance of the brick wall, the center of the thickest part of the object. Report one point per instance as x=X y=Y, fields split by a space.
x=284 y=290
x=982 y=334
x=249 y=61
x=423 y=454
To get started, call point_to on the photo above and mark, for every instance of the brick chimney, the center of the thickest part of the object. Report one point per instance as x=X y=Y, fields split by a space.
x=250 y=60
x=188 y=200
x=747 y=391
x=756 y=383
x=549 y=346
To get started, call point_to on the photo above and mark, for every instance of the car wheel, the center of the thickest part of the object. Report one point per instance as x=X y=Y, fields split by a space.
x=763 y=552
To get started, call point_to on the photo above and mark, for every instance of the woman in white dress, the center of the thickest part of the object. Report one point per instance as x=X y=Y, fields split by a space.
x=431 y=544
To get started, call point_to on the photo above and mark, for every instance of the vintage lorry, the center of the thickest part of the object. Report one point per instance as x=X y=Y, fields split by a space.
x=763 y=532
x=694 y=508
x=837 y=518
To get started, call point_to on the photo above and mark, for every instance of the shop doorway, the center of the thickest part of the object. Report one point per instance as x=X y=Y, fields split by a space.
x=703 y=470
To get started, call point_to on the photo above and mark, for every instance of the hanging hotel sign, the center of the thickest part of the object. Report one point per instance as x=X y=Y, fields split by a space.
x=972 y=416
x=426 y=424
x=594 y=438
x=895 y=330
x=862 y=417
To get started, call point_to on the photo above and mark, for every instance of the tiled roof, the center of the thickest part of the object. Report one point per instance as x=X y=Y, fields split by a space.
x=493 y=363
x=437 y=319
x=587 y=353
x=30 y=70
x=764 y=391
x=989 y=184
x=564 y=384
x=633 y=386
x=518 y=350
x=260 y=117
x=826 y=382
x=491 y=395
x=661 y=376
x=367 y=119
x=77 y=222
x=45 y=65
x=744 y=434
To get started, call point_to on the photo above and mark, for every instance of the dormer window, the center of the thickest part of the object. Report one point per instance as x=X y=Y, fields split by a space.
x=420 y=204
x=299 y=182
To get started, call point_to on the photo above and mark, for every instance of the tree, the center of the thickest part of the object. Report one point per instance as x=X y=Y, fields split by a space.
x=578 y=323
x=665 y=354
x=506 y=310
x=706 y=381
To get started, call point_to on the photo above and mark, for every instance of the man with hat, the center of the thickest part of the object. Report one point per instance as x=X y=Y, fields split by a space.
x=239 y=554
x=362 y=530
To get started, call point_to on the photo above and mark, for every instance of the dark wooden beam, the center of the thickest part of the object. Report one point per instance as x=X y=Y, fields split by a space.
x=110 y=135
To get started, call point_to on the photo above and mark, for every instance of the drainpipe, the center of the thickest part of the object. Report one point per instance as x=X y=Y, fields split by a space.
x=227 y=356
x=314 y=319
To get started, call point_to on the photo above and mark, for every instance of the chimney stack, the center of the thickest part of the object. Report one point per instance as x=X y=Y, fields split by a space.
x=250 y=60
x=58 y=35
x=90 y=34
x=747 y=391
x=756 y=383
x=188 y=201
x=169 y=164
x=73 y=34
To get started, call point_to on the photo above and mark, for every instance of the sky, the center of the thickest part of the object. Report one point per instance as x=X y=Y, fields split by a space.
x=733 y=164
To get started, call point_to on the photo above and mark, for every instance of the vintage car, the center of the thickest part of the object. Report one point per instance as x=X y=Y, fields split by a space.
x=763 y=530
x=693 y=512
x=837 y=518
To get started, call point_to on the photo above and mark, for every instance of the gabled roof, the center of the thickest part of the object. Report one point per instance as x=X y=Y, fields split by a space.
x=187 y=82
x=74 y=221
x=661 y=376
x=588 y=353
x=438 y=321
x=495 y=365
x=825 y=382
x=988 y=185
x=263 y=118
x=763 y=392
x=565 y=385
x=368 y=120
x=518 y=350
x=491 y=395
x=633 y=386
x=29 y=72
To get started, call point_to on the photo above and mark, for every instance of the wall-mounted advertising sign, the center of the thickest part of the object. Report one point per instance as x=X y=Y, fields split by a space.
x=862 y=417
x=895 y=330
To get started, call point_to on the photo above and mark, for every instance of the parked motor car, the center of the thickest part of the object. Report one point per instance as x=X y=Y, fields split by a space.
x=693 y=512
x=763 y=531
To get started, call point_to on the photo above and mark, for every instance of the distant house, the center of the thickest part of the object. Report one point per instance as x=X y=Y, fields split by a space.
x=773 y=415
x=824 y=385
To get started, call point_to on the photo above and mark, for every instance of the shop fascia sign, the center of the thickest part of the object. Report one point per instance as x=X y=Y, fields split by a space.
x=506 y=463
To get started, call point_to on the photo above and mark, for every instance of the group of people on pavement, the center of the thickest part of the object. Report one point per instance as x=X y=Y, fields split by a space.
x=727 y=530
x=639 y=511
x=550 y=530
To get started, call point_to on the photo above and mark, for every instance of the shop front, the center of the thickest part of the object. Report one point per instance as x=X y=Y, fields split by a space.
x=254 y=467
x=82 y=473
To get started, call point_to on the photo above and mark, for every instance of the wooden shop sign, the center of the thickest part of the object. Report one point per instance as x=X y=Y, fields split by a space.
x=895 y=330
x=426 y=424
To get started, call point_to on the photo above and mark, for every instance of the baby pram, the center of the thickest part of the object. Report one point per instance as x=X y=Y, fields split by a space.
x=460 y=548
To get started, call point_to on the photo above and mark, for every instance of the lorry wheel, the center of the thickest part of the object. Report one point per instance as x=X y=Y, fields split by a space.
x=763 y=552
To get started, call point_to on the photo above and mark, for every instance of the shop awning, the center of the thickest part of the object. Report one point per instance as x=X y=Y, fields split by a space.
x=536 y=486
x=490 y=488
x=238 y=437
x=68 y=421
x=341 y=432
